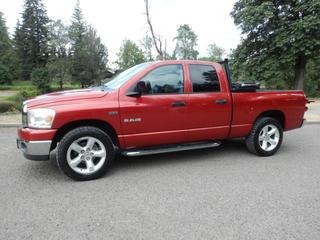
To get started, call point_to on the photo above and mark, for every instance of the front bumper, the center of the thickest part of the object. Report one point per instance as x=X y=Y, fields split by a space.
x=35 y=144
x=35 y=150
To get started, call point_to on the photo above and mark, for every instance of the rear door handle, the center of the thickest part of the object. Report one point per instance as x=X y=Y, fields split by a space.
x=178 y=104
x=221 y=101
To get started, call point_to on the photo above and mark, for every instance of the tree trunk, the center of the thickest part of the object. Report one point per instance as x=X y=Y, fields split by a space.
x=154 y=38
x=300 y=70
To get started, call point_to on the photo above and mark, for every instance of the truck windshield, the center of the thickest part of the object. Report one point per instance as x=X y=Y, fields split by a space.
x=123 y=77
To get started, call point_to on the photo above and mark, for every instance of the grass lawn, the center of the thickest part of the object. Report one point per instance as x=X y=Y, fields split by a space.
x=4 y=98
x=18 y=85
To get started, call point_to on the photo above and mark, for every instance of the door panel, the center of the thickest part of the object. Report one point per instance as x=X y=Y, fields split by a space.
x=207 y=118
x=153 y=120
x=158 y=116
x=209 y=106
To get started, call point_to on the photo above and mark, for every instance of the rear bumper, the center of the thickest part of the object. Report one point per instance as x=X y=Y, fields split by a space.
x=35 y=150
x=303 y=122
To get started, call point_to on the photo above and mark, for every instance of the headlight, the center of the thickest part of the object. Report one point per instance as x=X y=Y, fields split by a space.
x=40 y=118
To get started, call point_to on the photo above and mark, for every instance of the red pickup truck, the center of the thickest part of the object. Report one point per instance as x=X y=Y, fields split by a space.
x=155 y=107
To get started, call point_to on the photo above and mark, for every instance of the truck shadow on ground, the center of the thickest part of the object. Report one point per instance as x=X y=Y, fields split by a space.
x=226 y=152
x=184 y=157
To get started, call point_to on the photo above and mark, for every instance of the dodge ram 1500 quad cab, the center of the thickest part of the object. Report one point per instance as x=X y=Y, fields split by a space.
x=155 y=107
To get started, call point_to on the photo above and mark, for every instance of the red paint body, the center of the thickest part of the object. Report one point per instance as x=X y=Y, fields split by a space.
x=200 y=119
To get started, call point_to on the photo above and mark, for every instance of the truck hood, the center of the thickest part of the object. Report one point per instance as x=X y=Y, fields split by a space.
x=64 y=96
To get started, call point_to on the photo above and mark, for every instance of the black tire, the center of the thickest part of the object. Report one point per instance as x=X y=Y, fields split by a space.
x=253 y=143
x=83 y=133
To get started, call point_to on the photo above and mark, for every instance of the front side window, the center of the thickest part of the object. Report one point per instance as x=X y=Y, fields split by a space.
x=163 y=80
x=204 y=78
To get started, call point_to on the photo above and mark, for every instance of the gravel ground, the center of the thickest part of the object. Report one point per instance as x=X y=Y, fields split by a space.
x=223 y=193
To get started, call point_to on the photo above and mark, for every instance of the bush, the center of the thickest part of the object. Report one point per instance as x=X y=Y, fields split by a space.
x=17 y=100
x=24 y=95
x=6 y=106
x=40 y=78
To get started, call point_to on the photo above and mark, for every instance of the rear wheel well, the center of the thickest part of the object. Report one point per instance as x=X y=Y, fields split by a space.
x=104 y=126
x=275 y=114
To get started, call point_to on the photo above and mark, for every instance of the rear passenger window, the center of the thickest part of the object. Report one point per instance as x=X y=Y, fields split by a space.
x=204 y=78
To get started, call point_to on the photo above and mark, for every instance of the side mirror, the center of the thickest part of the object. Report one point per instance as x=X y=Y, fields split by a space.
x=134 y=94
x=141 y=88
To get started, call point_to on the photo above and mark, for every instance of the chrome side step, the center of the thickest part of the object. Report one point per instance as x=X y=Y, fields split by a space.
x=168 y=149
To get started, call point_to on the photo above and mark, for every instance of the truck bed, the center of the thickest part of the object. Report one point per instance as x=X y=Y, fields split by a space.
x=247 y=107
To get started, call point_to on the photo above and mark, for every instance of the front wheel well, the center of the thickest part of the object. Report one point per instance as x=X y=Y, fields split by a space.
x=104 y=126
x=275 y=114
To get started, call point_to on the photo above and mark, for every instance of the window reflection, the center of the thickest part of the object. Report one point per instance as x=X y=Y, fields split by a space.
x=204 y=78
x=162 y=80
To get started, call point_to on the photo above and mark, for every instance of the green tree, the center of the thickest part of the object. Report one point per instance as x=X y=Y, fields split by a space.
x=312 y=85
x=7 y=60
x=186 y=43
x=40 y=78
x=58 y=64
x=147 y=44
x=31 y=38
x=280 y=36
x=130 y=54
x=77 y=32
x=19 y=50
x=96 y=57
x=215 y=53
x=88 y=55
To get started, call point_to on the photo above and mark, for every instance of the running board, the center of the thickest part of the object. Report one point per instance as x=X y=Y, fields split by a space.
x=168 y=149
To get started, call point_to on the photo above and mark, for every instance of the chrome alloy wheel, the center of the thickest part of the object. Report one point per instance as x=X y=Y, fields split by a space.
x=86 y=155
x=269 y=137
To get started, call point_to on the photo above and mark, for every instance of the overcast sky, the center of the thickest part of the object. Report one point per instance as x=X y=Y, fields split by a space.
x=116 y=20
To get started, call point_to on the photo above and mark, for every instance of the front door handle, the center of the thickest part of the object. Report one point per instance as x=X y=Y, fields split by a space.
x=178 y=104
x=221 y=101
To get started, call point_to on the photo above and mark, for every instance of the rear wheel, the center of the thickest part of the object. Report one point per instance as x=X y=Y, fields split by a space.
x=266 y=137
x=85 y=153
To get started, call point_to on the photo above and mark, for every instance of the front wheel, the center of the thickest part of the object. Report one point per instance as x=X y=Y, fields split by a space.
x=85 y=153
x=266 y=137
